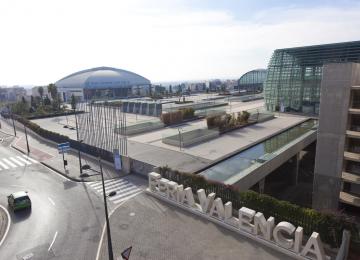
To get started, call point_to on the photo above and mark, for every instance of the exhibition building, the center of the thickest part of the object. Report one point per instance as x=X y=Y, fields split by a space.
x=103 y=83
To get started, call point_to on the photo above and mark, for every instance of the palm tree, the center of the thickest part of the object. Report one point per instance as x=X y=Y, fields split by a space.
x=52 y=89
x=41 y=92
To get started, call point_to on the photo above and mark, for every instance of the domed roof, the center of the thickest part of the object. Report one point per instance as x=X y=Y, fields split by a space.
x=102 y=77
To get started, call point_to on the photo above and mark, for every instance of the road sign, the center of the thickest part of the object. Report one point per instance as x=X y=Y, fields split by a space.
x=64 y=147
x=117 y=159
x=126 y=253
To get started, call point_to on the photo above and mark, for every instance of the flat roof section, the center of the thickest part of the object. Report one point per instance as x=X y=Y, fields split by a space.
x=234 y=169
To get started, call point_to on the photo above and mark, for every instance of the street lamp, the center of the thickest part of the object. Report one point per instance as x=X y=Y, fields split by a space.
x=27 y=142
x=110 y=250
x=179 y=129
x=12 y=118
x=80 y=141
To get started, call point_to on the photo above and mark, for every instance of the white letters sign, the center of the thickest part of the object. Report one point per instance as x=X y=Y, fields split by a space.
x=284 y=236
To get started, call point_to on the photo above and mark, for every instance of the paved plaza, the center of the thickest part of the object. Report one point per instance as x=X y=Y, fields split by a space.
x=149 y=148
x=176 y=234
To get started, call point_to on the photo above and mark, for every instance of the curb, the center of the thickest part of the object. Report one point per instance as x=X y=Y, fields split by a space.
x=8 y=224
x=18 y=149
x=50 y=167
x=61 y=173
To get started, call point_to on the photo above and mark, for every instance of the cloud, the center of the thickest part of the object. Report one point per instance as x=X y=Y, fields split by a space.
x=156 y=39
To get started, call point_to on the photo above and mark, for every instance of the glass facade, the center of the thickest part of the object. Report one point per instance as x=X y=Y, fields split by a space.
x=294 y=75
x=252 y=81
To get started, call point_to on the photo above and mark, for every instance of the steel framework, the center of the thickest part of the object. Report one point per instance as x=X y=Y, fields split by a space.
x=294 y=75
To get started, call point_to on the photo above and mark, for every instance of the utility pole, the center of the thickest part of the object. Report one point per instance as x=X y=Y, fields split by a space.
x=27 y=142
x=110 y=250
x=12 y=118
x=77 y=137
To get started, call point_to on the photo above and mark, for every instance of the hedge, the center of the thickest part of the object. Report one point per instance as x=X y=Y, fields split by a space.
x=58 y=138
x=228 y=121
x=329 y=226
x=32 y=117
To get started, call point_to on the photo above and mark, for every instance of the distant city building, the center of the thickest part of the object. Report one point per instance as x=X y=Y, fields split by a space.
x=252 y=81
x=103 y=83
x=215 y=85
x=294 y=75
x=12 y=93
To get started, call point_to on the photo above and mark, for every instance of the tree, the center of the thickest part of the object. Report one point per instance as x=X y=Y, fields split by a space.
x=52 y=89
x=47 y=101
x=41 y=92
x=73 y=101
x=33 y=102
x=23 y=99
x=170 y=89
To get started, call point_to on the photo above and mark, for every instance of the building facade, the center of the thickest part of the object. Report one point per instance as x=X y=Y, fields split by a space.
x=252 y=81
x=12 y=93
x=337 y=163
x=294 y=75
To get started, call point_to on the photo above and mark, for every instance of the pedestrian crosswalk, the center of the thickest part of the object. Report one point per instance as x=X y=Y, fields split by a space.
x=15 y=161
x=124 y=189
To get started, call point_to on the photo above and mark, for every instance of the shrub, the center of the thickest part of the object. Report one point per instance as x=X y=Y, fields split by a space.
x=212 y=121
x=188 y=112
x=328 y=225
x=172 y=117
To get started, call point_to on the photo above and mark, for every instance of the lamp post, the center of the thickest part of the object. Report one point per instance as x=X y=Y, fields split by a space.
x=77 y=137
x=12 y=118
x=110 y=250
x=27 y=142
x=179 y=129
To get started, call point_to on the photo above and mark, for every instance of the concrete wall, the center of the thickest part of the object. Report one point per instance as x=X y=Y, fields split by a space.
x=141 y=168
x=336 y=84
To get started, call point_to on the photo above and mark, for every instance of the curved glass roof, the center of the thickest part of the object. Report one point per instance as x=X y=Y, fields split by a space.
x=257 y=76
x=102 y=77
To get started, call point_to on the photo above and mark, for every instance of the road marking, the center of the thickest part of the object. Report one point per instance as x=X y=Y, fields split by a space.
x=23 y=160
x=28 y=256
x=103 y=231
x=8 y=225
x=53 y=241
x=16 y=161
x=30 y=159
x=9 y=163
x=124 y=189
x=4 y=165
x=52 y=202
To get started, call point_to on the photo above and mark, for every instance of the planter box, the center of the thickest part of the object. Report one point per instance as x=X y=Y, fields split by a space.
x=142 y=127
x=192 y=137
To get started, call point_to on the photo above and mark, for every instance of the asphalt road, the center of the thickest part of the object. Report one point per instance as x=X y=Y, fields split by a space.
x=66 y=218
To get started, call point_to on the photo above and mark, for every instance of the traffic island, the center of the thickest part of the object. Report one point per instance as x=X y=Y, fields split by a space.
x=4 y=223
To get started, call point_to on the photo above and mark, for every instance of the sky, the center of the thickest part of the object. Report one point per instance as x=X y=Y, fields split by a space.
x=42 y=41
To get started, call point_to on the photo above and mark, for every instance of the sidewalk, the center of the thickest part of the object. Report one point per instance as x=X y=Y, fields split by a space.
x=46 y=152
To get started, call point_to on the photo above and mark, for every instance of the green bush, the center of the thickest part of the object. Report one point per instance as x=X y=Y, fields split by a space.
x=228 y=121
x=172 y=117
x=329 y=226
x=212 y=121
x=188 y=113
